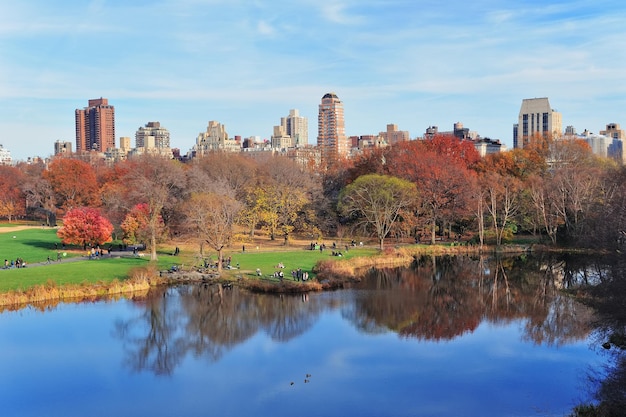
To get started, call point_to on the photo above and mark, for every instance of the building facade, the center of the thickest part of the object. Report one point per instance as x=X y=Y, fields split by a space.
x=5 y=156
x=331 y=130
x=614 y=131
x=297 y=127
x=61 y=147
x=215 y=139
x=280 y=139
x=95 y=126
x=152 y=133
x=392 y=135
x=536 y=118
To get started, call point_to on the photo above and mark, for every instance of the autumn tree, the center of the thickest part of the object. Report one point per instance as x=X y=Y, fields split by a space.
x=73 y=182
x=210 y=217
x=157 y=182
x=135 y=225
x=237 y=172
x=38 y=192
x=85 y=226
x=281 y=198
x=377 y=201
x=442 y=180
x=12 y=198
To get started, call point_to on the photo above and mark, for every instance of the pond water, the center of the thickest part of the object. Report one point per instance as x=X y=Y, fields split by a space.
x=446 y=337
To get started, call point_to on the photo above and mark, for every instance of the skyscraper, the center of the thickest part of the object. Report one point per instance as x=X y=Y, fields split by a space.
x=95 y=126
x=536 y=117
x=331 y=130
x=297 y=127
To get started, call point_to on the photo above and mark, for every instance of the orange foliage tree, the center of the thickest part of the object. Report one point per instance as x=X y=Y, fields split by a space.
x=73 y=182
x=85 y=226
x=136 y=224
x=441 y=174
x=12 y=199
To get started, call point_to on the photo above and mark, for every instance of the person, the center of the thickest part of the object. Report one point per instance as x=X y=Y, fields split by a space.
x=49 y=260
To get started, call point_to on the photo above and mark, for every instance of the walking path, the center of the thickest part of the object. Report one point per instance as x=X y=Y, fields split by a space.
x=113 y=254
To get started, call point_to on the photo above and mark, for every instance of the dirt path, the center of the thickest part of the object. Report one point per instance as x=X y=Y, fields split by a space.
x=15 y=228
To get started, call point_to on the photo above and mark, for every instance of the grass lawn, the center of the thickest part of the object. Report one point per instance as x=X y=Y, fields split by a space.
x=292 y=259
x=35 y=244
x=102 y=270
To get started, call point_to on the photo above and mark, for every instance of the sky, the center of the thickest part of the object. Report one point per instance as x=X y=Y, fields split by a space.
x=245 y=64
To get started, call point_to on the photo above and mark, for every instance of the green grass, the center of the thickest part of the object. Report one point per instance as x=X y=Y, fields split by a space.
x=33 y=245
x=297 y=258
x=36 y=244
x=102 y=270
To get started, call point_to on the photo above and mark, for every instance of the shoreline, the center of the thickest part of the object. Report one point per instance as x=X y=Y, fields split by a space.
x=330 y=274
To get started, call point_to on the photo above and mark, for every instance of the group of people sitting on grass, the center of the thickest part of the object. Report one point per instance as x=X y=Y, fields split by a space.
x=18 y=263
x=296 y=274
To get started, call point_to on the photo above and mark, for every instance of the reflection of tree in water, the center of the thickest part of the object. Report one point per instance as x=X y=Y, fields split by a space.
x=152 y=340
x=609 y=300
x=440 y=298
x=207 y=321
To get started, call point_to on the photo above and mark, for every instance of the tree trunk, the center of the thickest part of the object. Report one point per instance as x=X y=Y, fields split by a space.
x=433 y=230
x=153 y=253
x=219 y=260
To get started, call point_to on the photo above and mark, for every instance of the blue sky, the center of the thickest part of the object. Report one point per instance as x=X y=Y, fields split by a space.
x=247 y=63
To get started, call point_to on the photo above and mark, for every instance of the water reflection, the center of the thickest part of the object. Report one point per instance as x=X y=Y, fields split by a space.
x=437 y=298
x=207 y=321
x=609 y=300
x=440 y=298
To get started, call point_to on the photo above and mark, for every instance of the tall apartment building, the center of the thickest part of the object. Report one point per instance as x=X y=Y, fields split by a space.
x=297 y=127
x=536 y=117
x=95 y=126
x=331 y=130
x=152 y=135
x=280 y=139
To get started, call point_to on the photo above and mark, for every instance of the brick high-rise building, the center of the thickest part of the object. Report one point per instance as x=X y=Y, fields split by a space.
x=331 y=131
x=95 y=126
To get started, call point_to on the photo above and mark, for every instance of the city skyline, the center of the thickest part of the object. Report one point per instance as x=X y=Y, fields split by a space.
x=398 y=62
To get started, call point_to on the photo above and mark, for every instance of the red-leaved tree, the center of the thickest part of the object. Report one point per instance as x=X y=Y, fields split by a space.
x=85 y=226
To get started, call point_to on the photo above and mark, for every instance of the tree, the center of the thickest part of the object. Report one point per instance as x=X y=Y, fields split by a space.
x=156 y=182
x=377 y=201
x=210 y=217
x=73 y=182
x=442 y=180
x=502 y=194
x=85 y=226
x=136 y=225
x=12 y=198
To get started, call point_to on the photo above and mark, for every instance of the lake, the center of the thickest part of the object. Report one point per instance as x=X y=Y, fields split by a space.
x=449 y=336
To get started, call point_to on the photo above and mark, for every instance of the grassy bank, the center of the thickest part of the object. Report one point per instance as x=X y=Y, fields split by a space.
x=75 y=277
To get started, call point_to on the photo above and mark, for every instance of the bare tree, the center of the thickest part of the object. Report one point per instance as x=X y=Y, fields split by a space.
x=210 y=217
